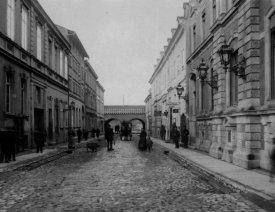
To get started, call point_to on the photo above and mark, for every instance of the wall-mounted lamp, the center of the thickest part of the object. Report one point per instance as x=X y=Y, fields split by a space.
x=180 y=90
x=202 y=69
x=225 y=53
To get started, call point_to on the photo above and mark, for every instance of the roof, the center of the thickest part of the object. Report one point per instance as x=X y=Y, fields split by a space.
x=72 y=36
x=91 y=68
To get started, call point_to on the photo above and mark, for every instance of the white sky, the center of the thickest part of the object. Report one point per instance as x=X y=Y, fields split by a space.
x=122 y=37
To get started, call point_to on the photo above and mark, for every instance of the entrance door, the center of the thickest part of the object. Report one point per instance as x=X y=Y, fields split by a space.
x=38 y=119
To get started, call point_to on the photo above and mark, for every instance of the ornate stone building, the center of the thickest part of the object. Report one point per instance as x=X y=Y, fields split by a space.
x=100 y=106
x=234 y=118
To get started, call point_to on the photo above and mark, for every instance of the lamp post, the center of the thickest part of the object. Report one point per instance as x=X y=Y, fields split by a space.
x=202 y=69
x=225 y=53
x=70 y=131
x=180 y=90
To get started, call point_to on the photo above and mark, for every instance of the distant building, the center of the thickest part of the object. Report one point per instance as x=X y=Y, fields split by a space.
x=90 y=94
x=100 y=106
x=169 y=72
x=76 y=77
x=33 y=73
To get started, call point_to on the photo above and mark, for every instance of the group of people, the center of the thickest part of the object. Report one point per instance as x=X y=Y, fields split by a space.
x=7 y=146
x=95 y=132
x=176 y=135
x=145 y=142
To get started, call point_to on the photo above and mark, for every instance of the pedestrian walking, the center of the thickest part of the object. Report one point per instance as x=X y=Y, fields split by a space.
x=142 y=140
x=109 y=135
x=162 y=132
x=184 y=137
x=79 y=134
x=176 y=137
x=97 y=133
x=272 y=161
x=149 y=143
x=39 y=140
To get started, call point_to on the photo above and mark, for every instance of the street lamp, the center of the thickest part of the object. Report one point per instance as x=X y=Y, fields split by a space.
x=180 y=90
x=165 y=113
x=202 y=69
x=225 y=53
x=70 y=131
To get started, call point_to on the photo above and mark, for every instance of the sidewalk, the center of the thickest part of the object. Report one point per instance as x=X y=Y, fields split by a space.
x=240 y=178
x=33 y=155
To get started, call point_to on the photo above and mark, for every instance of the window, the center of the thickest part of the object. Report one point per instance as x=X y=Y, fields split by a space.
x=214 y=10
x=50 y=51
x=61 y=63
x=194 y=37
x=56 y=58
x=24 y=25
x=203 y=25
x=39 y=41
x=66 y=67
x=10 y=19
x=233 y=80
x=23 y=95
x=38 y=94
x=8 y=93
x=273 y=63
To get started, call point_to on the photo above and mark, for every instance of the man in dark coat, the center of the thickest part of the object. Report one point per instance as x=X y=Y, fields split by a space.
x=272 y=161
x=142 y=140
x=109 y=134
x=176 y=137
x=97 y=133
x=184 y=137
x=79 y=134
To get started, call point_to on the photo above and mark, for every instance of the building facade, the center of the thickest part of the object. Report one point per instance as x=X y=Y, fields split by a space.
x=148 y=111
x=233 y=121
x=90 y=99
x=76 y=79
x=170 y=72
x=100 y=106
x=34 y=73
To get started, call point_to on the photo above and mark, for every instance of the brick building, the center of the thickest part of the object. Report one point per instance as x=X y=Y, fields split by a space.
x=34 y=73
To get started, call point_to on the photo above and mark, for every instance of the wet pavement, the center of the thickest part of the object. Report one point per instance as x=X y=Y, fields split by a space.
x=121 y=180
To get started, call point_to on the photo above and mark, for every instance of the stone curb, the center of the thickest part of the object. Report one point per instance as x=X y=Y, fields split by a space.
x=219 y=181
x=59 y=152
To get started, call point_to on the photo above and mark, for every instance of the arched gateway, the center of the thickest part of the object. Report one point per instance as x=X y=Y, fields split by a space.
x=128 y=113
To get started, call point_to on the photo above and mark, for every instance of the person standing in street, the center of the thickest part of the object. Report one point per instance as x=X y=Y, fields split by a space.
x=176 y=137
x=109 y=134
x=97 y=133
x=272 y=161
x=79 y=134
x=184 y=137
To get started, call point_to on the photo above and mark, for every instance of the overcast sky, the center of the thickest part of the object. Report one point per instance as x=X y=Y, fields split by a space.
x=122 y=37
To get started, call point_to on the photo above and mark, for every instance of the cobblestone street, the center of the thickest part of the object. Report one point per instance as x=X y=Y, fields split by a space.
x=121 y=180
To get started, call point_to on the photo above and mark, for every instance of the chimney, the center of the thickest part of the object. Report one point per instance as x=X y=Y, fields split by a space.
x=168 y=40
x=161 y=53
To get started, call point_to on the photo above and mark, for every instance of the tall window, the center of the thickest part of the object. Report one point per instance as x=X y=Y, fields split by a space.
x=39 y=41
x=194 y=37
x=61 y=63
x=214 y=10
x=24 y=25
x=50 y=51
x=203 y=25
x=23 y=95
x=273 y=64
x=10 y=18
x=234 y=80
x=66 y=67
x=8 y=93
x=56 y=58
